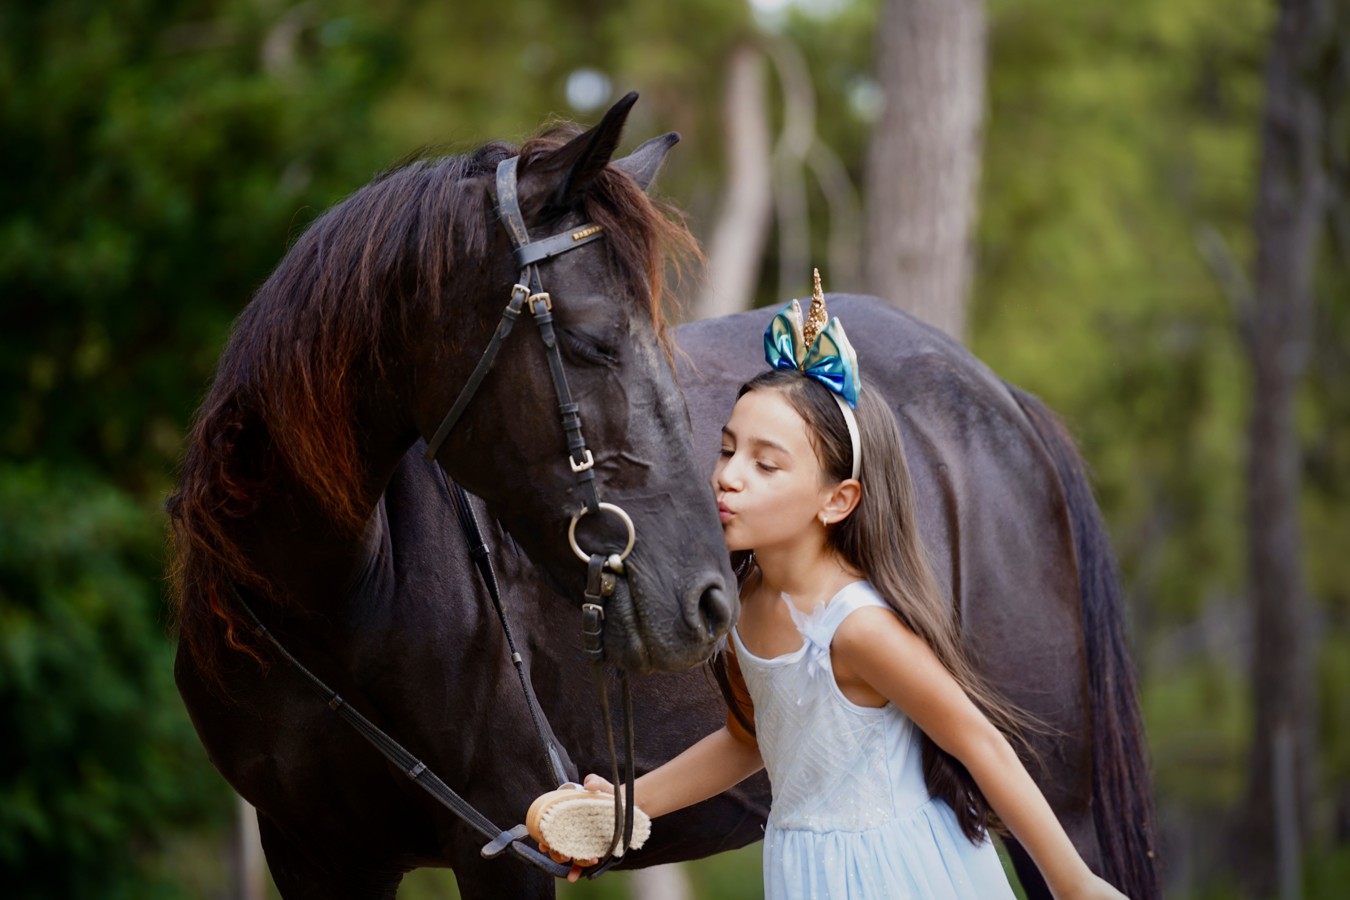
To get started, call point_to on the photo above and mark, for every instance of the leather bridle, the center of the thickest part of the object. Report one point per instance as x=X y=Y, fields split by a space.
x=601 y=569
x=529 y=291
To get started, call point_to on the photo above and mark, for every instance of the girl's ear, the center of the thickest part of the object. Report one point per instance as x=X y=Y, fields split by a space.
x=841 y=502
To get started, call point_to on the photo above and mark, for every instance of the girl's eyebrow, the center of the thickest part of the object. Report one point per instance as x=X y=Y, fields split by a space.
x=758 y=442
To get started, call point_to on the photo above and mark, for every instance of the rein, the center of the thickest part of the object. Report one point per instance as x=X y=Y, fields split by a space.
x=601 y=569
x=499 y=840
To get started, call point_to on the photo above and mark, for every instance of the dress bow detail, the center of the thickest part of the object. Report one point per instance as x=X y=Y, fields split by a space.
x=815 y=635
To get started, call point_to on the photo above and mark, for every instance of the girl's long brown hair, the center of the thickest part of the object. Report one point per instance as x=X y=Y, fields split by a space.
x=881 y=540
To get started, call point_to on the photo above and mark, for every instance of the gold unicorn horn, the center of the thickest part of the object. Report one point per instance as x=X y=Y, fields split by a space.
x=816 y=319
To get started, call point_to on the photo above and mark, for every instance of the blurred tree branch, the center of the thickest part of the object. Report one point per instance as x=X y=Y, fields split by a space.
x=1290 y=215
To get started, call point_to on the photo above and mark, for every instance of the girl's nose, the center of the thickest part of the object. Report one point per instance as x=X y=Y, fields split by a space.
x=725 y=477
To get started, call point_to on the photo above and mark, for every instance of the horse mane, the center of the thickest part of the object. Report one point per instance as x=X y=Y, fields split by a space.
x=280 y=411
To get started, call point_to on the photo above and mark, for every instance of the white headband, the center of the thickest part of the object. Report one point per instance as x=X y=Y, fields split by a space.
x=854 y=436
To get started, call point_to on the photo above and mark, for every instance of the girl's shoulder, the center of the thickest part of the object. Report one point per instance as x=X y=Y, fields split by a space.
x=851 y=598
x=855 y=596
x=877 y=620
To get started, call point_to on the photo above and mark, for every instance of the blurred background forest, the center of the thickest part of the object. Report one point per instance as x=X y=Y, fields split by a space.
x=158 y=157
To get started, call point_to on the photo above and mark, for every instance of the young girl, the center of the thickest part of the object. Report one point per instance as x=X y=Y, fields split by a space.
x=883 y=748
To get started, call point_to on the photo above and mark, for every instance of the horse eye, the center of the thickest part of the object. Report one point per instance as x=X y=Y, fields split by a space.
x=588 y=350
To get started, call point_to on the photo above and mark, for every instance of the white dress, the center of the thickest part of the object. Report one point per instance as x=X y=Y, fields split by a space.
x=851 y=816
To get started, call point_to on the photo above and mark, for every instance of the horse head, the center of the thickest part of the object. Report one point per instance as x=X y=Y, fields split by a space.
x=598 y=304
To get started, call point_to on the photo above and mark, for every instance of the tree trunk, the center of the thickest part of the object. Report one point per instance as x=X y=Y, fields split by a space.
x=1290 y=211
x=250 y=878
x=668 y=882
x=736 y=247
x=924 y=158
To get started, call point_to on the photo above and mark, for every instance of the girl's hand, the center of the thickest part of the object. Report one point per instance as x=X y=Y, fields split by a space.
x=593 y=782
x=578 y=865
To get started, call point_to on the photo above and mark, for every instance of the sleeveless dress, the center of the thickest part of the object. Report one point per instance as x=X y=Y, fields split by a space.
x=851 y=816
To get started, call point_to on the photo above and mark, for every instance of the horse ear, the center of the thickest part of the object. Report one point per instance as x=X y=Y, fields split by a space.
x=644 y=162
x=577 y=163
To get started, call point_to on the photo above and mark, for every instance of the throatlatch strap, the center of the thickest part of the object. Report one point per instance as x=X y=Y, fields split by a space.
x=509 y=316
x=478 y=551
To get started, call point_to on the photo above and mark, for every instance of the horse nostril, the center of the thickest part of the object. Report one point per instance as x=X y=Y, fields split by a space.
x=714 y=611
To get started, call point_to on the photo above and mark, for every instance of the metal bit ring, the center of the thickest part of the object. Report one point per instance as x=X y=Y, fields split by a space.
x=623 y=517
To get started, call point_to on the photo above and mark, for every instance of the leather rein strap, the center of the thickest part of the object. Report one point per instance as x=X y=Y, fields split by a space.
x=499 y=840
x=479 y=553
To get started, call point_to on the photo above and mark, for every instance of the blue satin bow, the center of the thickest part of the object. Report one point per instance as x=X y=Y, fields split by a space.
x=830 y=359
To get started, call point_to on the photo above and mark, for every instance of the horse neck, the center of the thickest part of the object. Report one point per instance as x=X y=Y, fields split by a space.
x=296 y=543
x=403 y=387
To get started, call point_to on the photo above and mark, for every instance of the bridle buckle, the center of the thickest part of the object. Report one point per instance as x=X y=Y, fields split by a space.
x=587 y=462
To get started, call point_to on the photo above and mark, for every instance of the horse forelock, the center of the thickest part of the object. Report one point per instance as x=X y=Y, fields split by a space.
x=647 y=238
x=344 y=295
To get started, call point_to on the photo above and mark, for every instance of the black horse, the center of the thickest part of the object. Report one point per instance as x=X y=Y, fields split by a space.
x=304 y=487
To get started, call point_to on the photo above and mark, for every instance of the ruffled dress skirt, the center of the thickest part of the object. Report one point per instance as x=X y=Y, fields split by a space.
x=924 y=856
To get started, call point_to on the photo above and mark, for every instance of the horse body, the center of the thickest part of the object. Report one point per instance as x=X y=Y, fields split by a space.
x=393 y=616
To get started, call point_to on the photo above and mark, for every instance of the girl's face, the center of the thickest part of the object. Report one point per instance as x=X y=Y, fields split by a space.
x=768 y=481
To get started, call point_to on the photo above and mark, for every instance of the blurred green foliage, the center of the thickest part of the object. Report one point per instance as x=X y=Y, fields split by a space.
x=98 y=762
x=160 y=155
x=157 y=161
x=735 y=874
x=1112 y=142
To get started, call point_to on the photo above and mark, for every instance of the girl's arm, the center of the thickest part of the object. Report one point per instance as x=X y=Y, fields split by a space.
x=893 y=660
x=718 y=762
